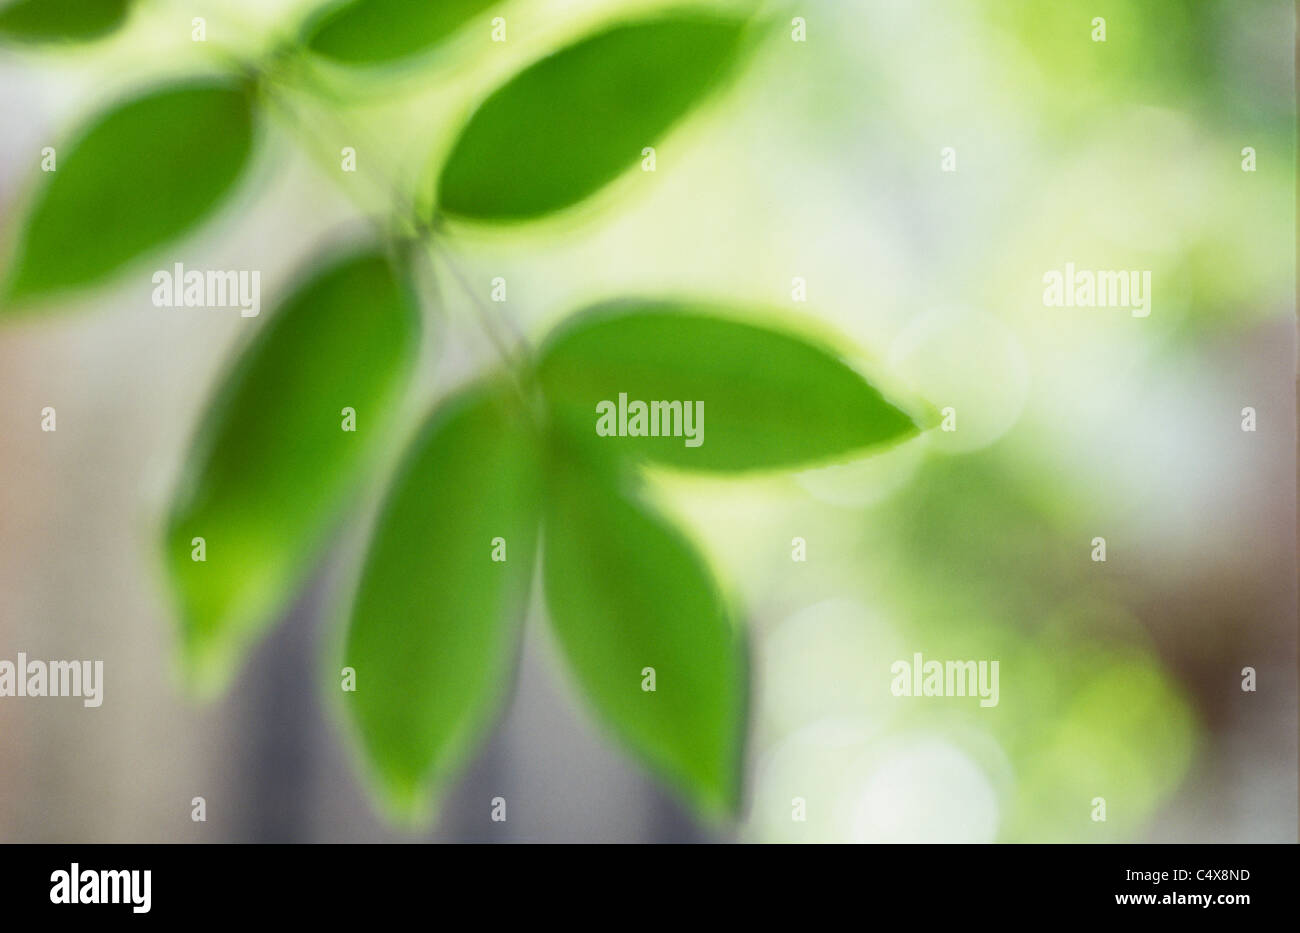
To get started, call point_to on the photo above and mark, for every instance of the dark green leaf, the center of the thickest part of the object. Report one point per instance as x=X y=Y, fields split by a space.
x=434 y=624
x=364 y=32
x=571 y=123
x=627 y=592
x=770 y=400
x=272 y=465
x=140 y=175
x=47 y=20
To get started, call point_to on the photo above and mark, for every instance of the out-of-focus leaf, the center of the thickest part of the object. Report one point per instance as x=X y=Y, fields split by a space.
x=770 y=400
x=627 y=592
x=272 y=464
x=364 y=32
x=569 y=124
x=435 y=619
x=53 y=20
x=143 y=173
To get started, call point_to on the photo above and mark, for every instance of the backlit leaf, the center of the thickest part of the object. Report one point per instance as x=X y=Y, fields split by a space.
x=363 y=32
x=769 y=399
x=571 y=123
x=272 y=464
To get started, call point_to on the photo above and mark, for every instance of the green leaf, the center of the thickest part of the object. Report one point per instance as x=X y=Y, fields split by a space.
x=626 y=592
x=365 y=32
x=434 y=624
x=53 y=20
x=142 y=174
x=571 y=123
x=770 y=400
x=272 y=465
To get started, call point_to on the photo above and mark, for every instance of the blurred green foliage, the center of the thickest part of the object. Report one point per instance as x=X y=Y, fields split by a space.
x=59 y=20
x=772 y=400
x=1120 y=153
x=271 y=463
x=630 y=599
x=434 y=625
x=142 y=173
x=364 y=32
x=586 y=113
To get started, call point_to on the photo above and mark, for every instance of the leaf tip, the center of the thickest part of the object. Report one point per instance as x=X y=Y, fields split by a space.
x=923 y=417
x=198 y=673
x=405 y=804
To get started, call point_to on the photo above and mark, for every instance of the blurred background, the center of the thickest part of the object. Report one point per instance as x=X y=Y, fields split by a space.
x=1119 y=680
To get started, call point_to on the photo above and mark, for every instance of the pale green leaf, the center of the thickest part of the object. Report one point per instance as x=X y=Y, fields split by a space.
x=272 y=465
